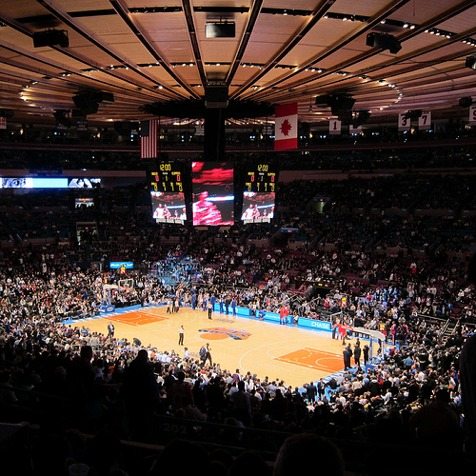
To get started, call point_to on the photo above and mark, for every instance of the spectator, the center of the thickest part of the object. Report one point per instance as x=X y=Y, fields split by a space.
x=468 y=378
x=141 y=394
x=301 y=452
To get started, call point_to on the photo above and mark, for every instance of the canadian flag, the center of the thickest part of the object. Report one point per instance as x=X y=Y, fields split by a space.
x=286 y=127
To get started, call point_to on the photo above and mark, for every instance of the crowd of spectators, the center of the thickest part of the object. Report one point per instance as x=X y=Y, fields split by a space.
x=387 y=262
x=429 y=154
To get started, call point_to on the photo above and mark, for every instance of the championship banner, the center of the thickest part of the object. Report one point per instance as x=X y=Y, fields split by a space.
x=424 y=121
x=403 y=122
x=335 y=127
x=199 y=130
x=3 y=122
x=472 y=114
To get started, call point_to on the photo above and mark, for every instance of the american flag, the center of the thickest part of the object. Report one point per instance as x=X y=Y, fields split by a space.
x=3 y=122
x=148 y=139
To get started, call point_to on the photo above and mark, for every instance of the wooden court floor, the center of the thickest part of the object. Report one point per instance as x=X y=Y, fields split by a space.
x=287 y=353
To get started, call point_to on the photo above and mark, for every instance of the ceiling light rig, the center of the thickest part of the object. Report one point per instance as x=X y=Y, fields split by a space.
x=366 y=19
x=469 y=41
x=287 y=12
x=314 y=70
x=252 y=65
x=285 y=66
x=438 y=32
x=148 y=65
x=27 y=90
x=156 y=10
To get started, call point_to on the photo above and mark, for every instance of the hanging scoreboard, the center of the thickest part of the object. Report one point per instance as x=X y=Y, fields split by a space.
x=259 y=194
x=167 y=193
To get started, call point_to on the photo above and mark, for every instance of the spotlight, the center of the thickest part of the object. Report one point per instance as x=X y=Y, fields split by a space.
x=383 y=41
x=470 y=62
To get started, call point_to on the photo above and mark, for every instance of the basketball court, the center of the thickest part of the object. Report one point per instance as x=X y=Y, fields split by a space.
x=295 y=355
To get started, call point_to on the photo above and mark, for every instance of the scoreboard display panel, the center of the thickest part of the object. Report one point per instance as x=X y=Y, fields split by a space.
x=168 y=207
x=261 y=179
x=259 y=194
x=258 y=207
x=167 y=177
x=167 y=193
x=213 y=193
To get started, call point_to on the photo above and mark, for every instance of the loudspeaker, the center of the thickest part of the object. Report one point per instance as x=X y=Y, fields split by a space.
x=88 y=101
x=470 y=62
x=62 y=117
x=323 y=100
x=220 y=30
x=105 y=96
x=8 y=113
x=216 y=96
x=384 y=41
x=341 y=104
x=413 y=114
x=466 y=101
x=361 y=117
x=124 y=128
x=50 y=38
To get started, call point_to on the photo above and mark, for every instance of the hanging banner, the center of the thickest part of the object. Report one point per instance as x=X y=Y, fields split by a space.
x=403 y=122
x=199 y=130
x=424 y=121
x=472 y=114
x=335 y=127
x=286 y=127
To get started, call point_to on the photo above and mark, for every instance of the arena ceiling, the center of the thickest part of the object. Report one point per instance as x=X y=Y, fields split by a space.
x=138 y=53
